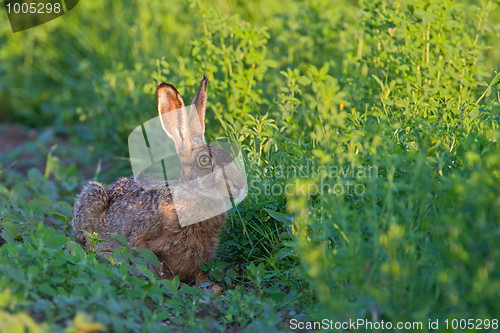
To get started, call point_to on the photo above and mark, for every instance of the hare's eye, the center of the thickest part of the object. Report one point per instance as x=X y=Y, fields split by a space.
x=204 y=160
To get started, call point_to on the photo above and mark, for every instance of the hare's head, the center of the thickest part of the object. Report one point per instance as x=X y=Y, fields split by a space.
x=204 y=167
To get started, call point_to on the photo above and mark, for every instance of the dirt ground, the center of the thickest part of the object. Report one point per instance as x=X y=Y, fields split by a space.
x=30 y=152
x=12 y=136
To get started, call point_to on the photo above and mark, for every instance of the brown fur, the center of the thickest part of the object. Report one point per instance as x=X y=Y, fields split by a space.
x=147 y=217
x=148 y=220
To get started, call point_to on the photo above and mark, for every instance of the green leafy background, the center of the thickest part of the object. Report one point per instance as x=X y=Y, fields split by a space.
x=370 y=133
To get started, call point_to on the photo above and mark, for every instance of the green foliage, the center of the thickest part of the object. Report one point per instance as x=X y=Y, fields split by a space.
x=416 y=239
x=370 y=133
x=49 y=279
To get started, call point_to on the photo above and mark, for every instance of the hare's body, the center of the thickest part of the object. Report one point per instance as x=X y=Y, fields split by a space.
x=147 y=218
x=143 y=209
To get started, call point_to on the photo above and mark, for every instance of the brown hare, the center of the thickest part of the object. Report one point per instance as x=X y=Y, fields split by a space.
x=148 y=217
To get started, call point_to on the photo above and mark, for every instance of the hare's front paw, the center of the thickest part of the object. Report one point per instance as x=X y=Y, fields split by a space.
x=204 y=280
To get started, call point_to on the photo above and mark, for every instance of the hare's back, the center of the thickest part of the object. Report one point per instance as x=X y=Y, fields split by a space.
x=133 y=209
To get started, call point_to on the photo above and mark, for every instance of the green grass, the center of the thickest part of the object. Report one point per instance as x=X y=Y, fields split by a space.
x=370 y=133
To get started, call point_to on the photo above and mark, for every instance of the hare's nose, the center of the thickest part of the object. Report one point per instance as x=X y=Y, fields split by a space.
x=239 y=186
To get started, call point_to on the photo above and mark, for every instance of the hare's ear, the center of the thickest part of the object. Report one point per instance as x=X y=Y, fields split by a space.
x=197 y=113
x=173 y=115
